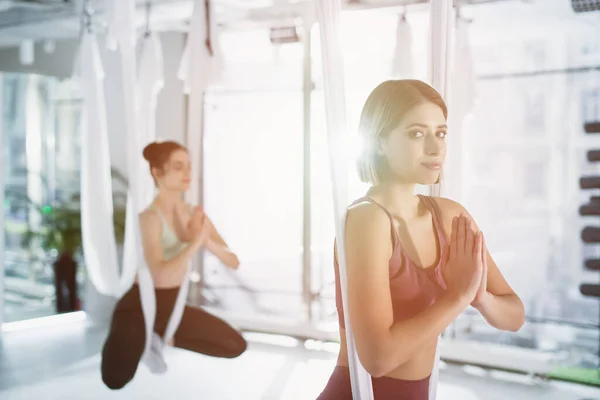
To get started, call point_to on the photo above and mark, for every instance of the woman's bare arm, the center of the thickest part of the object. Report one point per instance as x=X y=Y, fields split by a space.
x=499 y=305
x=217 y=245
x=381 y=343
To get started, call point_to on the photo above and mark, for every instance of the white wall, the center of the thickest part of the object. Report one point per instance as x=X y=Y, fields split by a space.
x=59 y=63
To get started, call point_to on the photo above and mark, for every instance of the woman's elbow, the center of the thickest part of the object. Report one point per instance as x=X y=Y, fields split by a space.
x=377 y=367
x=235 y=262
x=518 y=323
x=376 y=370
x=518 y=320
x=376 y=362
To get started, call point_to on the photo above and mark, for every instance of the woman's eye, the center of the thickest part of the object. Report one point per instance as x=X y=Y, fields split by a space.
x=441 y=134
x=417 y=134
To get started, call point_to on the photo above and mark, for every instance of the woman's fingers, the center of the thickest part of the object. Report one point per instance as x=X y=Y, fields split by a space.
x=483 y=251
x=471 y=237
x=454 y=238
x=477 y=247
x=462 y=233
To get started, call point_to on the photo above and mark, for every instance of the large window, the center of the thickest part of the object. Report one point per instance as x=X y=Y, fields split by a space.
x=524 y=151
x=524 y=192
x=41 y=165
x=253 y=178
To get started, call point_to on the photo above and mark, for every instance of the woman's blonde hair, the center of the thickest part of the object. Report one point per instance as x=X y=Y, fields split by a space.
x=385 y=107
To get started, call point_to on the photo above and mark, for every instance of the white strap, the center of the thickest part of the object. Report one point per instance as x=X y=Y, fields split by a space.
x=433 y=379
x=441 y=32
x=148 y=300
x=333 y=84
x=362 y=388
x=179 y=307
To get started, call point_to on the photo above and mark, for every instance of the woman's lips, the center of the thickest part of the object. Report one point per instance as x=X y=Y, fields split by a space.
x=432 y=166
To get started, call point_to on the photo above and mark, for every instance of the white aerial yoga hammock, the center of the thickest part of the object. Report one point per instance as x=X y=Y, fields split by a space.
x=440 y=59
x=96 y=187
x=97 y=229
x=198 y=68
x=206 y=69
x=462 y=101
x=333 y=82
x=402 y=63
x=150 y=81
x=212 y=65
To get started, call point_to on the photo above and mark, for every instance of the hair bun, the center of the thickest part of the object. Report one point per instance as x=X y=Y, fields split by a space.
x=150 y=151
x=158 y=153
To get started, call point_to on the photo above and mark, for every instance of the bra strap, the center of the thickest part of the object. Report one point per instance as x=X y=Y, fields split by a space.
x=394 y=232
x=160 y=214
x=437 y=218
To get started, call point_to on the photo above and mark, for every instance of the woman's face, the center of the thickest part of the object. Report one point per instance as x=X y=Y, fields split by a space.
x=176 y=173
x=416 y=149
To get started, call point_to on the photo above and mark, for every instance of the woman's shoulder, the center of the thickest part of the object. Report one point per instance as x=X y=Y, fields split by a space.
x=448 y=209
x=149 y=218
x=367 y=218
x=448 y=206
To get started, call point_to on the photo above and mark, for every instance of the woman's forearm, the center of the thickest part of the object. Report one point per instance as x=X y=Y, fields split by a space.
x=223 y=253
x=505 y=312
x=168 y=268
x=407 y=338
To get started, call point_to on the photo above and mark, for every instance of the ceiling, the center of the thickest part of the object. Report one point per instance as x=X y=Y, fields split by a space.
x=60 y=19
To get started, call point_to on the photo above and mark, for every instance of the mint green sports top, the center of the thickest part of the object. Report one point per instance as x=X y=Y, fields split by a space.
x=171 y=244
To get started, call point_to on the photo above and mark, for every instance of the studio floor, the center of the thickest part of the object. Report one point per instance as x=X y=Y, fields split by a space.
x=62 y=363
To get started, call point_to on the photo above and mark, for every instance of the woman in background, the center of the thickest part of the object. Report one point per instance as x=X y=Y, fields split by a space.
x=172 y=232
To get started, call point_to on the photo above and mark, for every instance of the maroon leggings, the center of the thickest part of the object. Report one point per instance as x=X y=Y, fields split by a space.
x=384 y=388
x=198 y=331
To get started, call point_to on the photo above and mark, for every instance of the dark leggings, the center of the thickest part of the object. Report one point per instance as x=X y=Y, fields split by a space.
x=384 y=388
x=198 y=331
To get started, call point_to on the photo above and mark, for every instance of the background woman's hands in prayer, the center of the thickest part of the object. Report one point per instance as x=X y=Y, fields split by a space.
x=198 y=226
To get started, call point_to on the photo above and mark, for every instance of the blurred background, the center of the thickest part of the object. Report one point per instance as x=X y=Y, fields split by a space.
x=527 y=73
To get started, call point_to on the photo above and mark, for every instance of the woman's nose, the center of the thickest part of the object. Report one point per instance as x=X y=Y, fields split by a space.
x=432 y=146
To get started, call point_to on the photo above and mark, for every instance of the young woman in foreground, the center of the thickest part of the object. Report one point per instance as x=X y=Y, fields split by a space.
x=172 y=232
x=414 y=263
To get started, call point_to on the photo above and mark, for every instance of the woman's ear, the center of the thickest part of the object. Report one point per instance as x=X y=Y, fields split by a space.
x=156 y=173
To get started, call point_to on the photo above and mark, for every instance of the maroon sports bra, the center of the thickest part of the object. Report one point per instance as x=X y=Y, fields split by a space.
x=413 y=288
